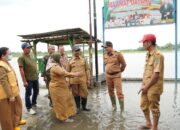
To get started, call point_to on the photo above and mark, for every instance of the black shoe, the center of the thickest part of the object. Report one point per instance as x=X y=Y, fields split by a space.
x=50 y=104
x=77 y=101
x=78 y=111
x=86 y=109
x=84 y=102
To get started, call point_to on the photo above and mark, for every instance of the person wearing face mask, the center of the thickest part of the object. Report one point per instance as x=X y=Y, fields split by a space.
x=10 y=100
x=29 y=74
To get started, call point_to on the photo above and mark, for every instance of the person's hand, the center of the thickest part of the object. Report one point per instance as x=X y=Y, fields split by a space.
x=168 y=13
x=68 y=82
x=12 y=99
x=88 y=82
x=79 y=74
x=25 y=84
x=144 y=89
x=140 y=90
x=45 y=78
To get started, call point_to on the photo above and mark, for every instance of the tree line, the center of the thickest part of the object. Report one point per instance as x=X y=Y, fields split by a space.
x=166 y=47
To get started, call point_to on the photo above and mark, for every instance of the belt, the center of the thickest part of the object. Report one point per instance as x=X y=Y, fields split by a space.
x=113 y=73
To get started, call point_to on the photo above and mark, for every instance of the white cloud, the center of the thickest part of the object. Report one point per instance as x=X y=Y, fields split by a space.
x=37 y=16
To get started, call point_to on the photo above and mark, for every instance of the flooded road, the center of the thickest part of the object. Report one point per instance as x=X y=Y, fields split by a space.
x=101 y=116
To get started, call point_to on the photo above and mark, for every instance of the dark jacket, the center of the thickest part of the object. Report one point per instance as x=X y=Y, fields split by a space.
x=164 y=11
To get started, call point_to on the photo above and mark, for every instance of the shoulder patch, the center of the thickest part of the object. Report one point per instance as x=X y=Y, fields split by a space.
x=158 y=52
x=157 y=61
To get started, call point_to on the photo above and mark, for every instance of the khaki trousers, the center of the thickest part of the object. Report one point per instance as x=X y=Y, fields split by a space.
x=115 y=83
x=150 y=102
x=79 y=90
x=10 y=113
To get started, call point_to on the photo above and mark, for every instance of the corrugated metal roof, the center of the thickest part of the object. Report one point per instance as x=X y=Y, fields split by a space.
x=60 y=37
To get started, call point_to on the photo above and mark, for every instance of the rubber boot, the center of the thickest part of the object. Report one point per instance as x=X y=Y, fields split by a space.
x=84 y=103
x=121 y=103
x=77 y=101
x=50 y=102
x=113 y=102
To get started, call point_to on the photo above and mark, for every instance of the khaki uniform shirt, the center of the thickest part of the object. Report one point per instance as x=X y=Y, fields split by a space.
x=29 y=66
x=113 y=63
x=154 y=63
x=64 y=61
x=58 y=75
x=79 y=65
x=4 y=82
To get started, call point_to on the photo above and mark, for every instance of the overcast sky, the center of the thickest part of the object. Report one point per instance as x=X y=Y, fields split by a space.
x=37 y=16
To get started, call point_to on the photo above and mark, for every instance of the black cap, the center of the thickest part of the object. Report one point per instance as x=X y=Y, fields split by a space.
x=107 y=44
x=76 y=48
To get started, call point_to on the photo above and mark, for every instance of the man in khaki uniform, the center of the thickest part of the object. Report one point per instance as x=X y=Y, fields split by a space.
x=79 y=84
x=152 y=85
x=114 y=66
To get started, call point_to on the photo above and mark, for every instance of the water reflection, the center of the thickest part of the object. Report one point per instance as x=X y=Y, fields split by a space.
x=102 y=117
x=175 y=93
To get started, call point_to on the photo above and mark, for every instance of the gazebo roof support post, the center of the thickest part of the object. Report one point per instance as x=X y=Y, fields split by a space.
x=34 y=50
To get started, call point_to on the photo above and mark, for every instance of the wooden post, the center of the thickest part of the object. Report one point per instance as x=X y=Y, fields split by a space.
x=34 y=50
x=95 y=37
x=90 y=45
x=57 y=48
x=83 y=50
x=47 y=46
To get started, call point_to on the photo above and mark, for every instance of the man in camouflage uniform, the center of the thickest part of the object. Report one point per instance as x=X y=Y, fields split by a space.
x=46 y=72
x=152 y=85
x=79 y=84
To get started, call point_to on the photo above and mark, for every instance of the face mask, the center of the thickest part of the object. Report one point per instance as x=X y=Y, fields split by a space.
x=9 y=57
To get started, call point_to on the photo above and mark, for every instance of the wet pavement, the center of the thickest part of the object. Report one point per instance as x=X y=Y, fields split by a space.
x=101 y=116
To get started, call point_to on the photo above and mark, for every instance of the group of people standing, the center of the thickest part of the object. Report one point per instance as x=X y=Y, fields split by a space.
x=152 y=84
x=67 y=82
x=65 y=79
x=10 y=101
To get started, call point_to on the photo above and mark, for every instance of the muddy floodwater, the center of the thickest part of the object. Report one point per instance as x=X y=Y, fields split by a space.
x=101 y=116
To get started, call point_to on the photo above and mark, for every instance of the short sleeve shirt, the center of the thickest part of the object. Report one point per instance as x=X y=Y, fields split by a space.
x=78 y=65
x=29 y=66
x=154 y=63
x=113 y=63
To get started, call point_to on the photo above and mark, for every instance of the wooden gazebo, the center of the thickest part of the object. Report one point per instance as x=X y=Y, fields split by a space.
x=59 y=37
x=62 y=37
